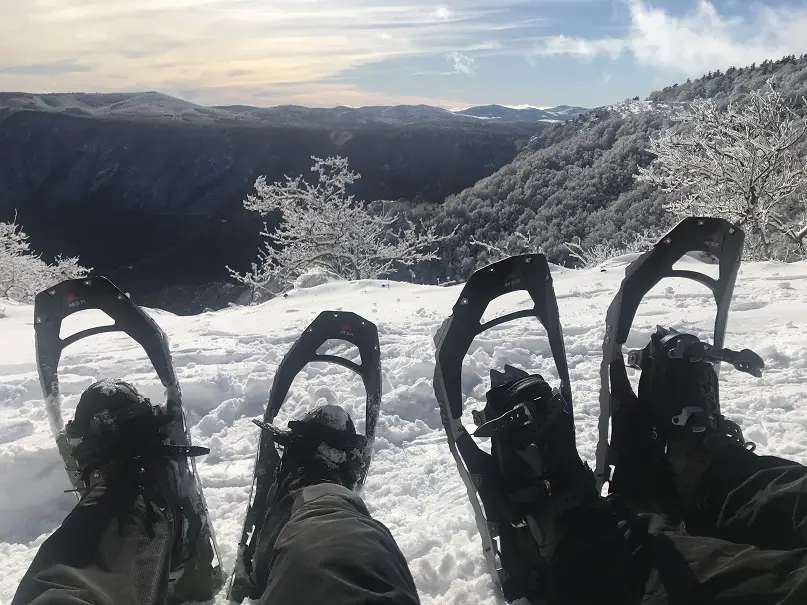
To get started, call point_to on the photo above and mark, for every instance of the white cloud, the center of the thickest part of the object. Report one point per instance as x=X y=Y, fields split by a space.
x=606 y=77
x=212 y=44
x=701 y=40
x=565 y=45
x=463 y=64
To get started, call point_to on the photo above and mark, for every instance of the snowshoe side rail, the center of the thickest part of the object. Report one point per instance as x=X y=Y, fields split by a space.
x=328 y=325
x=515 y=576
x=715 y=236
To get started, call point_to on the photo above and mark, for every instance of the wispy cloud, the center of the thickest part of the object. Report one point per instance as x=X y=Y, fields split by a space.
x=188 y=44
x=463 y=64
x=44 y=69
x=691 y=44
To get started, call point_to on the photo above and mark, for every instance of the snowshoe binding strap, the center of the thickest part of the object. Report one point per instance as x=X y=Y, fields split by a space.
x=689 y=347
x=328 y=325
x=712 y=236
x=511 y=553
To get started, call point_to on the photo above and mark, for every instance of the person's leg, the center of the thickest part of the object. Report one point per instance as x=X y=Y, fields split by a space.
x=603 y=551
x=121 y=542
x=735 y=495
x=113 y=549
x=610 y=555
x=677 y=455
x=332 y=551
x=317 y=542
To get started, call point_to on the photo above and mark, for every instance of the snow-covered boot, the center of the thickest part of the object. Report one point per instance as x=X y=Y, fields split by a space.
x=322 y=447
x=533 y=442
x=128 y=468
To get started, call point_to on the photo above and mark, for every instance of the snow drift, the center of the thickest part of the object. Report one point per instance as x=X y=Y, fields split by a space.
x=225 y=362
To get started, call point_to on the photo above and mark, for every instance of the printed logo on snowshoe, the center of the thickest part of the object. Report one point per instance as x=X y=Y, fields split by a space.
x=74 y=301
x=513 y=279
x=347 y=330
x=712 y=242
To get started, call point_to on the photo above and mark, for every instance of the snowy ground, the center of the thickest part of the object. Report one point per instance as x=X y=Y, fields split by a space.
x=225 y=363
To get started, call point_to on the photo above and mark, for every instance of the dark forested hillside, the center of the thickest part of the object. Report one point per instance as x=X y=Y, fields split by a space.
x=576 y=180
x=156 y=203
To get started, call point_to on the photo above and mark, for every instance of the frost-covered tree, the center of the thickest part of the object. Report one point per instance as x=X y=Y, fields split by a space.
x=517 y=243
x=324 y=227
x=23 y=273
x=743 y=163
x=586 y=257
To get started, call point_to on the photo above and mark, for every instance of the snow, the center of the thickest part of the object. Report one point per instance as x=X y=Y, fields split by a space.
x=225 y=362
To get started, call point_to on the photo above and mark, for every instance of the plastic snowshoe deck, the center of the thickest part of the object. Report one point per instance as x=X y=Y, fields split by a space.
x=500 y=535
x=714 y=236
x=199 y=576
x=328 y=325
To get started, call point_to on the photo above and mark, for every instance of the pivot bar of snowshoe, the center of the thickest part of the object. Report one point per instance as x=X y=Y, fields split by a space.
x=328 y=325
x=512 y=573
x=714 y=236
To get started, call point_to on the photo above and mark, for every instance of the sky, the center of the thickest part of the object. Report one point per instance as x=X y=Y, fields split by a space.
x=452 y=53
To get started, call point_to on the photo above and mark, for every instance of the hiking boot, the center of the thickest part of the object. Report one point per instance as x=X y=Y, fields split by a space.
x=128 y=468
x=681 y=392
x=322 y=447
x=534 y=445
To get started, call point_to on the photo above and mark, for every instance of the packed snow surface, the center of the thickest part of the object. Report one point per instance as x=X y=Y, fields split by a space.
x=225 y=362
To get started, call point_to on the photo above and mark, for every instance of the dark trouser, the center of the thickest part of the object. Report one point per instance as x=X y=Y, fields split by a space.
x=112 y=549
x=745 y=541
x=330 y=551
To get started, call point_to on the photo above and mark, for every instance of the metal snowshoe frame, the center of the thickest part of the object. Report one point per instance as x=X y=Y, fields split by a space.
x=200 y=574
x=528 y=272
x=328 y=325
x=715 y=236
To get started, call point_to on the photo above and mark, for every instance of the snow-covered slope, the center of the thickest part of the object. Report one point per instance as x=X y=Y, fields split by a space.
x=225 y=362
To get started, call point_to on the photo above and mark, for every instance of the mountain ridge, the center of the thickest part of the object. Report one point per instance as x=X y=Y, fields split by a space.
x=155 y=105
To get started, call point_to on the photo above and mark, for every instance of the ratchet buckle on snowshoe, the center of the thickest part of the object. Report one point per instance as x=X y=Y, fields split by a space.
x=522 y=415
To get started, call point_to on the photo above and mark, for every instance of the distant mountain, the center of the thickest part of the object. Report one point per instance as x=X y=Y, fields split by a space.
x=148 y=189
x=561 y=113
x=154 y=105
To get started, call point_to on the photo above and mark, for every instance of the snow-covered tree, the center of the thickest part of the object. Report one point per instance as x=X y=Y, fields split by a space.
x=517 y=243
x=23 y=273
x=743 y=163
x=324 y=227
x=586 y=257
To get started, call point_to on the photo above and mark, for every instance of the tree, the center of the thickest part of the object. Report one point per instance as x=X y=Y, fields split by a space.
x=743 y=164
x=324 y=227
x=23 y=273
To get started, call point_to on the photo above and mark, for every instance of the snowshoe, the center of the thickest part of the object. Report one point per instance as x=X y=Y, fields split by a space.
x=503 y=492
x=636 y=426
x=324 y=446
x=198 y=575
